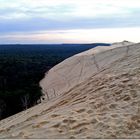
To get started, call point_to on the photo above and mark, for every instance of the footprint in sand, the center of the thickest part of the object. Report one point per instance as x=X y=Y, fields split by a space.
x=40 y=124
x=80 y=110
x=32 y=117
x=69 y=120
x=54 y=115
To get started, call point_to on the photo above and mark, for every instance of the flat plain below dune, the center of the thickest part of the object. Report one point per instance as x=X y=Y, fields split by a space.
x=104 y=105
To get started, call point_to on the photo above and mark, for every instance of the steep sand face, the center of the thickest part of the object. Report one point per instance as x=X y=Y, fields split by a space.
x=106 y=105
x=78 y=68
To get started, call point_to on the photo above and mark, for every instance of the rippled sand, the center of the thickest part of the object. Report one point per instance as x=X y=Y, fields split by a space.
x=105 y=105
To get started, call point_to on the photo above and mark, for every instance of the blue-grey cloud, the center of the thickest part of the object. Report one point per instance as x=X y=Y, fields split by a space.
x=21 y=16
x=40 y=24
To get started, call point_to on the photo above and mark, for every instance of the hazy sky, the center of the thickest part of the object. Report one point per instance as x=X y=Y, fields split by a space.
x=69 y=21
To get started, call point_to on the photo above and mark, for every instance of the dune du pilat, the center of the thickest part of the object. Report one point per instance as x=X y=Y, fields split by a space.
x=93 y=94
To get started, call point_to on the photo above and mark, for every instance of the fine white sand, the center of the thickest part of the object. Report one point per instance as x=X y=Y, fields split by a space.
x=105 y=103
x=80 y=67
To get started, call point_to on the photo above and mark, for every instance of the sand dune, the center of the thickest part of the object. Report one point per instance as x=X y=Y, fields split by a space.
x=103 y=102
x=78 y=68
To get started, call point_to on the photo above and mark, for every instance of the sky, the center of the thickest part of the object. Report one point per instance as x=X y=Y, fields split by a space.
x=69 y=21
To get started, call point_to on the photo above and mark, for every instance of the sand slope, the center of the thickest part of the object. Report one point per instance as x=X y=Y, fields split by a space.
x=80 y=67
x=104 y=105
